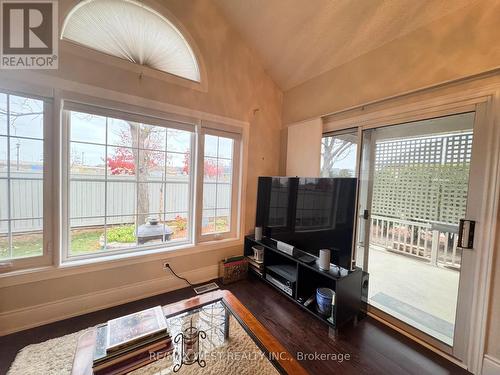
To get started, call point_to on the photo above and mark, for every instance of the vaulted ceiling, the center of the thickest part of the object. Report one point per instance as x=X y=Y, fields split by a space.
x=300 y=39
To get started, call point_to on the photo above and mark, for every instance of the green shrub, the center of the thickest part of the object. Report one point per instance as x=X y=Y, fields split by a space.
x=122 y=234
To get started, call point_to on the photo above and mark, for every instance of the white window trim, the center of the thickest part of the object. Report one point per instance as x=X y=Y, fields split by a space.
x=234 y=232
x=12 y=265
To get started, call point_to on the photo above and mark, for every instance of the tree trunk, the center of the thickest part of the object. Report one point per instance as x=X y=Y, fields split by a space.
x=141 y=170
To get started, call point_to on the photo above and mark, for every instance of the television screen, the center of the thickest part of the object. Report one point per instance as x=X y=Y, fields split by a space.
x=309 y=213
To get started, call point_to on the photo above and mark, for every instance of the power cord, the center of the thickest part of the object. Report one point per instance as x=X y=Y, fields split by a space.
x=166 y=265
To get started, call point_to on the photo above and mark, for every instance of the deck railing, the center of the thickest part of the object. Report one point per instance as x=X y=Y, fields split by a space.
x=432 y=242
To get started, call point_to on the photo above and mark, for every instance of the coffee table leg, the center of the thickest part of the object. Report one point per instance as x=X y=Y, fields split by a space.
x=226 y=324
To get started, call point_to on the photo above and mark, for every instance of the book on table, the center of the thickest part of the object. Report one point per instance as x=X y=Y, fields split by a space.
x=131 y=337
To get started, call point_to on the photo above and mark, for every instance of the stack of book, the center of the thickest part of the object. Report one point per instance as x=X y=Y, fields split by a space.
x=255 y=265
x=131 y=341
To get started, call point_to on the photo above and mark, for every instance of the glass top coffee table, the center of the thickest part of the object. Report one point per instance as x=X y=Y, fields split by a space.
x=212 y=333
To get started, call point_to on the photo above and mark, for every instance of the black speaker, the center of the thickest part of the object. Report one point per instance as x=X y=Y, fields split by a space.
x=364 y=294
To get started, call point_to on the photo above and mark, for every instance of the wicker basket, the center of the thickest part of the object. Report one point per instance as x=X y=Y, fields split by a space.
x=234 y=271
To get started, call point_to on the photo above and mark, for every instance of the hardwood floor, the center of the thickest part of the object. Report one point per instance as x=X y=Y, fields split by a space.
x=373 y=347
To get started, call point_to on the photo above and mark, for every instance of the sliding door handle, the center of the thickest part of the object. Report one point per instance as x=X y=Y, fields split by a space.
x=466 y=234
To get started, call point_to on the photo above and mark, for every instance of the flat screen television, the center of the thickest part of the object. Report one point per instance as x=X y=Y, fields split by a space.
x=309 y=213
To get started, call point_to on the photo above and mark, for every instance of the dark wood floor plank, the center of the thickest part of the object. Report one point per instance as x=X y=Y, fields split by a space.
x=373 y=347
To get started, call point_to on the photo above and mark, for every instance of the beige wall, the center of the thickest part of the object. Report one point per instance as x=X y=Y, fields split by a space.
x=304 y=146
x=236 y=86
x=458 y=45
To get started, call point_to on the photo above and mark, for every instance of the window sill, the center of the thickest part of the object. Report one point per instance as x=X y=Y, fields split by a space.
x=73 y=267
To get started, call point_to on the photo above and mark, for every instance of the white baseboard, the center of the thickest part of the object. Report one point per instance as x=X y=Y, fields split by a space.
x=491 y=365
x=37 y=315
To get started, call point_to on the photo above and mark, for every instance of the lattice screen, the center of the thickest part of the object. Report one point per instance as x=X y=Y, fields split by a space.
x=424 y=178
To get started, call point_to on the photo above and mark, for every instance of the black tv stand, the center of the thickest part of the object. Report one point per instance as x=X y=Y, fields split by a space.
x=309 y=277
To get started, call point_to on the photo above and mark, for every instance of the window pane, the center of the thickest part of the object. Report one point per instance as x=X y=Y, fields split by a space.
x=150 y=198
x=225 y=148
x=152 y=165
x=26 y=117
x=21 y=189
x=3 y=156
x=338 y=155
x=222 y=221
x=177 y=164
x=121 y=198
x=208 y=222
x=122 y=133
x=152 y=138
x=26 y=155
x=178 y=141
x=224 y=170
x=209 y=195
x=4 y=202
x=3 y=114
x=121 y=163
x=211 y=169
x=86 y=198
x=153 y=230
x=177 y=196
x=121 y=235
x=27 y=238
x=179 y=224
x=211 y=145
x=86 y=159
x=88 y=128
x=4 y=244
x=26 y=199
x=224 y=195
x=88 y=237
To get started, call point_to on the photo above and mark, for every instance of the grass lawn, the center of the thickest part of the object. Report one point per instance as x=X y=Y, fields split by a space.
x=85 y=241
x=23 y=245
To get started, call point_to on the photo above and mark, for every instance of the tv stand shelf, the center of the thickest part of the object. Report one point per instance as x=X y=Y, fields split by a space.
x=309 y=277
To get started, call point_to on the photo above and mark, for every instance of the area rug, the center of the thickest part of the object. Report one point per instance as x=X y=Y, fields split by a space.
x=239 y=356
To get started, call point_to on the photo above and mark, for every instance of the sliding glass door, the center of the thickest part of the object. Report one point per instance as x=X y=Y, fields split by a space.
x=415 y=187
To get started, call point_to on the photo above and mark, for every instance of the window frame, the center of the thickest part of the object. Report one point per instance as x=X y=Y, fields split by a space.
x=56 y=177
x=156 y=119
x=48 y=185
x=234 y=230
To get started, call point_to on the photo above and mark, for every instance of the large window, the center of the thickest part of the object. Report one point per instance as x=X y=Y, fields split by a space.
x=219 y=183
x=129 y=184
x=22 y=176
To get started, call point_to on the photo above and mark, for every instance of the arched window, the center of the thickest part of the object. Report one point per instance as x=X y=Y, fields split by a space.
x=131 y=31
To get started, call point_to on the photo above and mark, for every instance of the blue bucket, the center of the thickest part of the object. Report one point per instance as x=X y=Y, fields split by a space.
x=324 y=298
